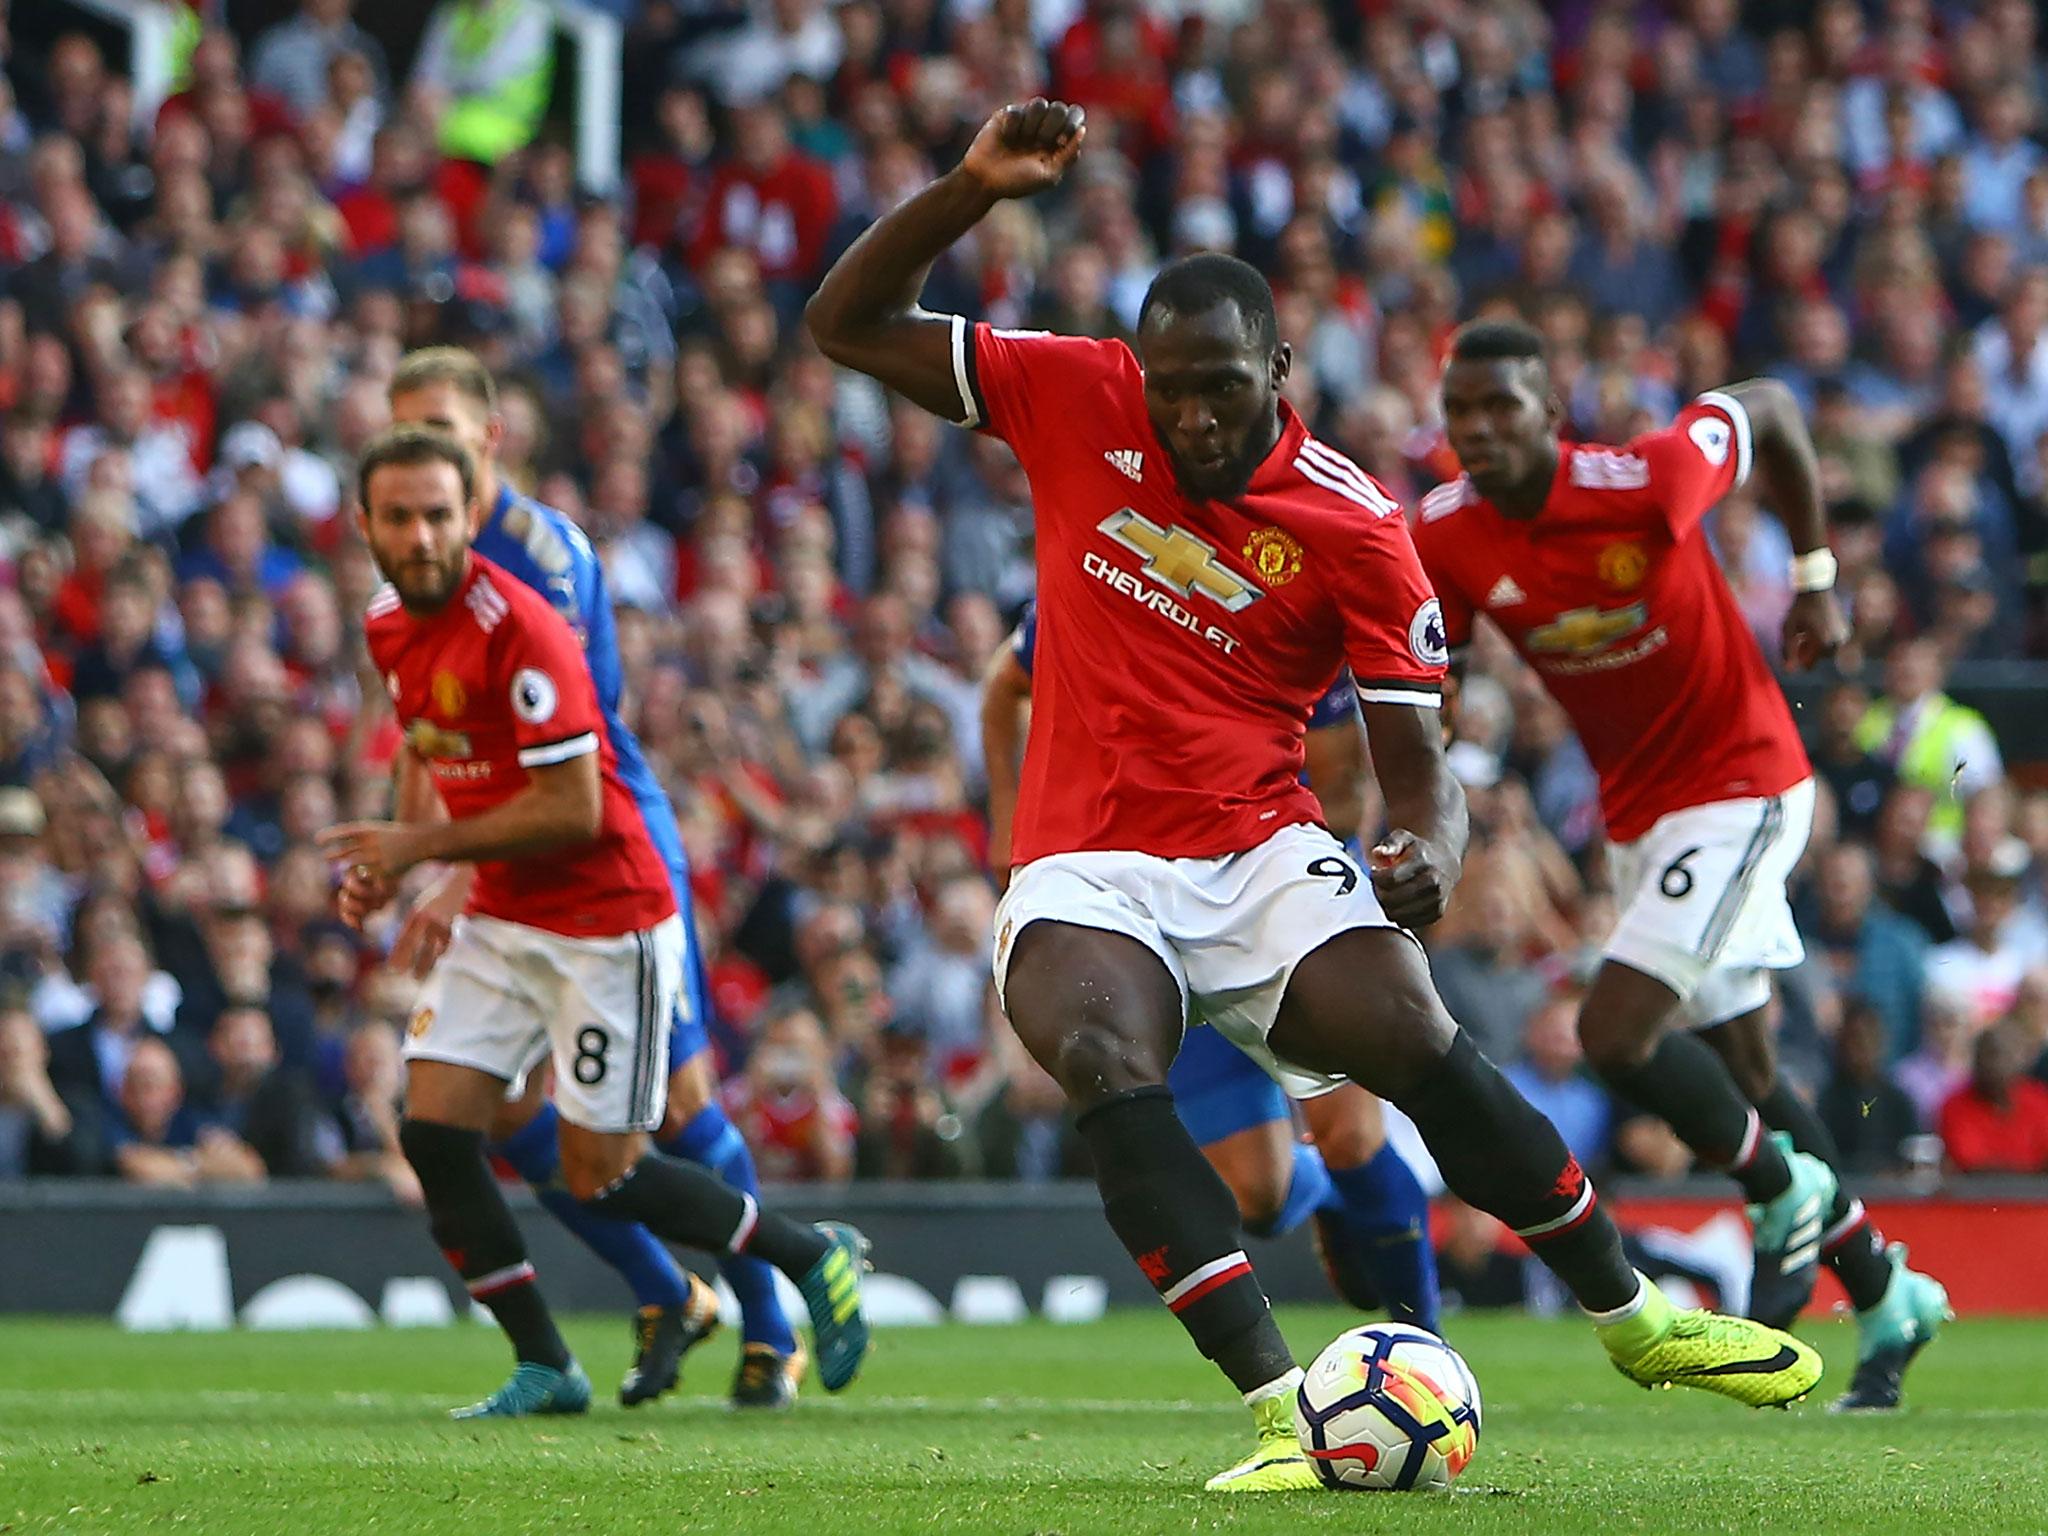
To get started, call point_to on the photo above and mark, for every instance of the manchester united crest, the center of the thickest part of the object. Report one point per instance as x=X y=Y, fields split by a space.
x=449 y=694
x=1275 y=555
x=1623 y=566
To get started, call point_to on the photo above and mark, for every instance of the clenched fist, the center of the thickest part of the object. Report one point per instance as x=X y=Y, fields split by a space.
x=1025 y=148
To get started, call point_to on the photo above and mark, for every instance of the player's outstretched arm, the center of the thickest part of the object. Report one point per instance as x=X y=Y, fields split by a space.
x=1788 y=474
x=1415 y=867
x=865 y=314
x=561 y=804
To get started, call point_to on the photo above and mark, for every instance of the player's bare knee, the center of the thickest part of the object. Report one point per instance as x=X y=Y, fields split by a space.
x=1257 y=1179
x=1094 y=1060
x=593 y=1162
x=1351 y=1132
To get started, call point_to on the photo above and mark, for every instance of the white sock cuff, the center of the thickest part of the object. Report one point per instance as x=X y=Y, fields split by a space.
x=1278 y=1386
x=1627 y=1309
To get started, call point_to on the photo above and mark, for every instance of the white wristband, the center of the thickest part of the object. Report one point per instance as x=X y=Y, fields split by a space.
x=1814 y=571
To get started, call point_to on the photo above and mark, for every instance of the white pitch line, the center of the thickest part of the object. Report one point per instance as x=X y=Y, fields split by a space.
x=250 y=1398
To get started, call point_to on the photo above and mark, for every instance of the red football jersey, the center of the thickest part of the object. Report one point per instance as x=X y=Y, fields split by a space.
x=1613 y=596
x=493 y=684
x=1182 y=644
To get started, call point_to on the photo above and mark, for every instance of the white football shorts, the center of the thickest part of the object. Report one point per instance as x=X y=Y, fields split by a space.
x=1703 y=906
x=1230 y=929
x=504 y=995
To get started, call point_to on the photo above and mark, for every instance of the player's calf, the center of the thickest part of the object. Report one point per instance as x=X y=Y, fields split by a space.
x=1177 y=1219
x=475 y=1231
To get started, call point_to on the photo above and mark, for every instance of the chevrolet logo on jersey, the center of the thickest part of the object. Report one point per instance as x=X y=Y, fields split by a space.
x=1586 y=630
x=431 y=740
x=1177 y=559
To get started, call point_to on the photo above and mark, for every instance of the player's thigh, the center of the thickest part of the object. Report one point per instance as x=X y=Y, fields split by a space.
x=1085 y=975
x=1749 y=1046
x=1625 y=1013
x=615 y=1000
x=1346 y=1124
x=483 y=1013
x=1385 y=1034
x=1244 y=923
x=1098 y=1009
x=1704 y=891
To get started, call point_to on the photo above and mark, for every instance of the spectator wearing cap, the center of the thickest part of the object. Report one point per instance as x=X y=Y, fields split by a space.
x=1868 y=951
x=1929 y=740
x=1997 y=1122
x=35 y=901
x=255 y=457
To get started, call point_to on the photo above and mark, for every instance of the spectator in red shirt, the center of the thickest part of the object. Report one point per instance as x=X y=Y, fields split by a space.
x=799 y=1124
x=769 y=199
x=1998 y=1121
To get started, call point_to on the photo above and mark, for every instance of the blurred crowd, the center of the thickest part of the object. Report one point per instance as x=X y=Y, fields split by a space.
x=200 y=308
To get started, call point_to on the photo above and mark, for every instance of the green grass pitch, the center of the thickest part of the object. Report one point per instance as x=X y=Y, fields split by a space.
x=1108 y=1428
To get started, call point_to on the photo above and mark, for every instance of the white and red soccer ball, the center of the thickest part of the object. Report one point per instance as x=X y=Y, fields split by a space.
x=1388 y=1406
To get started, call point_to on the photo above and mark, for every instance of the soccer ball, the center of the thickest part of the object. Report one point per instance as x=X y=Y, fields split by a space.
x=1388 y=1406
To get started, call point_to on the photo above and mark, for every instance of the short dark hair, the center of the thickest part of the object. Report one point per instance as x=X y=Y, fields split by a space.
x=413 y=445
x=1497 y=341
x=1195 y=284
x=445 y=365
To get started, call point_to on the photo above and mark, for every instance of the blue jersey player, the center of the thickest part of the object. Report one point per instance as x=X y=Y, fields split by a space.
x=449 y=389
x=1370 y=1214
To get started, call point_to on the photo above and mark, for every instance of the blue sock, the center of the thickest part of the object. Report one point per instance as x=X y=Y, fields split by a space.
x=1307 y=1192
x=636 y=1253
x=1385 y=1202
x=716 y=1143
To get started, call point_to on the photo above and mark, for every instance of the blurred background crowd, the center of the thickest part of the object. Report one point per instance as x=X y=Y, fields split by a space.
x=200 y=308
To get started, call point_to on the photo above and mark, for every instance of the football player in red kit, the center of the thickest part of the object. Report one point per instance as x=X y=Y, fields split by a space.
x=570 y=946
x=1205 y=565
x=1594 y=564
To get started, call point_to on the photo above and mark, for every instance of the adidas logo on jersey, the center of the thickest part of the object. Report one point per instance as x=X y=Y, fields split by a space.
x=1505 y=594
x=1129 y=460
